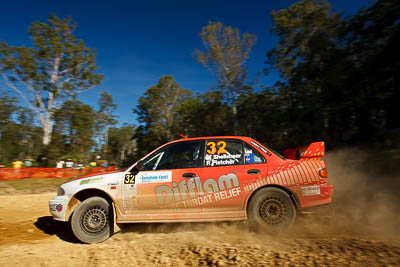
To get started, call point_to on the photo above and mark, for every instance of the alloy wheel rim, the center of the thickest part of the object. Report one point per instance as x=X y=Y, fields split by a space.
x=272 y=210
x=94 y=220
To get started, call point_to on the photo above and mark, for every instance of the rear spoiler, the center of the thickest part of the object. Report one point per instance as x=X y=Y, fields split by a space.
x=315 y=150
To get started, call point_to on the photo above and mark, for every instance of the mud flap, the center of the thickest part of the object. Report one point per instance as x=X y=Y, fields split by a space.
x=114 y=226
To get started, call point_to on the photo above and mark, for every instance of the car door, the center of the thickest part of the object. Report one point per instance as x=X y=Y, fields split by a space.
x=166 y=182
x=229 y=165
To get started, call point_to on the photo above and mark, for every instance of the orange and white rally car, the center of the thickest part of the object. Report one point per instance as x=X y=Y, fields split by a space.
x=196 y=180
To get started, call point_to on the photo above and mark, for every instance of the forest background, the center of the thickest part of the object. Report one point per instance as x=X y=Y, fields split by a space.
x=339 y=83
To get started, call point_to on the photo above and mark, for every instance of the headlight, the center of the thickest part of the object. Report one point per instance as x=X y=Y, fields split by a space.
x=60 y=191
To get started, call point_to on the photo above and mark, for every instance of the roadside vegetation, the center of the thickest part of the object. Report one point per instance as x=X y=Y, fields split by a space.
x=33 y=186
x=339 y=83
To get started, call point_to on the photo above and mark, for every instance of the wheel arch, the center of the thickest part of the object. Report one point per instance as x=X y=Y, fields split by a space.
x=84 y=194
x=292 y=195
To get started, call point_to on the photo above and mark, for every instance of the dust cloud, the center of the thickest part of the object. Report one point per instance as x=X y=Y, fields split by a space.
x=366 y=199
x=359 y=228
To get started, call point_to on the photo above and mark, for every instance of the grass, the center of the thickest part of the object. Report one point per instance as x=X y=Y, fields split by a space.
x=37 y=185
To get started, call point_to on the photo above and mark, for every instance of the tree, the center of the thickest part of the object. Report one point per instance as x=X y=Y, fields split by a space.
x=75 y=121
x=26 y=131
x=262 y=116
x=57 y=67
x=158 y=113
x=105 y=118
x=121 y=144
x=7 y=108
x=373 y=62
x=341 y=75
x=309 y=41
x=226 y=53
x=205 y=115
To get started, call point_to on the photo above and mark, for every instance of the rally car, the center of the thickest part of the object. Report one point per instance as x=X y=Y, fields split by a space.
x=196 y=180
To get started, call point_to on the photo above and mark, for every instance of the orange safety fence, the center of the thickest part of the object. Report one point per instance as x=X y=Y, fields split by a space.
x=33 y=172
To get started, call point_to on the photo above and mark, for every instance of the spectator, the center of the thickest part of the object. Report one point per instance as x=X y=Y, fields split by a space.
x=60 y=164
x=17 y=164
x=69 y=163
x=28 y=162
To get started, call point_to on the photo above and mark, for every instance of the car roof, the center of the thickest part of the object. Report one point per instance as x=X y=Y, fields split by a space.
x=212 y=137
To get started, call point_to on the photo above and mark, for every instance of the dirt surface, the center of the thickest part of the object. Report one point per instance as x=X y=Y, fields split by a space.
x=361 y=228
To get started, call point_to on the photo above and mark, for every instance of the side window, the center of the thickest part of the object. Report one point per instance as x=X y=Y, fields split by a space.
x=223 y=152
x=175 y=156
x=152 y=163
x=251 y=155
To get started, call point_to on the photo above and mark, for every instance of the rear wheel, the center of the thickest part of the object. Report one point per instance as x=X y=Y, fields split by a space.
x=271 y=209
x=90 y=222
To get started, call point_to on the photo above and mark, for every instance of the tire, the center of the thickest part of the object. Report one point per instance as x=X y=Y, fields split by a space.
x=271 y=209
x=90 y=222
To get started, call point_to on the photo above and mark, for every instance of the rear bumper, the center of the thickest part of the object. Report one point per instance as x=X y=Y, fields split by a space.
x=313 y=195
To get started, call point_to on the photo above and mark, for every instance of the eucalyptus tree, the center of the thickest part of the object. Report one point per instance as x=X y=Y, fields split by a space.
x=75 y=122
x=225 y=55
x=7 y=109
x=105 y=118
x=56 y=67
x=158 y=113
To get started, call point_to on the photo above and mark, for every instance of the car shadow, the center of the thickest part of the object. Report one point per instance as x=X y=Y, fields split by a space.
x=165 y=228
x=62 y=230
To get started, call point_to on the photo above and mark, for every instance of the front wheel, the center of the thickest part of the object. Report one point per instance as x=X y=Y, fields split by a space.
x=271 y=209
x=90 y=222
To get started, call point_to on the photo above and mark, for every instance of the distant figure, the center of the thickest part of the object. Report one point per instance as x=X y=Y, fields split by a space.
x=93 y=164
x=28 y=162
x=17 y=164
x=60 y=164
x=43 y=160
x=69 y=163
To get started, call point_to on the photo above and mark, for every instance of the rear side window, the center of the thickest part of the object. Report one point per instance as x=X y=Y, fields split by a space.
x=251 y=155
x=223 y=152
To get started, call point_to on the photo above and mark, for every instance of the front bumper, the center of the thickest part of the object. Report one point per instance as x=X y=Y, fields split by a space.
x=58 y=207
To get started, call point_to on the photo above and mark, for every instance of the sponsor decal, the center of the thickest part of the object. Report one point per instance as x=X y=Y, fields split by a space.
x=310 y=190
x=261 y=148
x=89 y=181
x=113 y=185
x=129 y=199
x=59 y=207
x=192 y=192
x=249 y=158
x=56 y=207
x=154 y=177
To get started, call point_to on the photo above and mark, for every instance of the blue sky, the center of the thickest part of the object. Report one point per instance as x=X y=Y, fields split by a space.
x=140 y=41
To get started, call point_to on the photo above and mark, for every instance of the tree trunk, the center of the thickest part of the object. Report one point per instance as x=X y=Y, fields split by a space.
x=105 y=143
x=235 y=122
x=47 y=131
